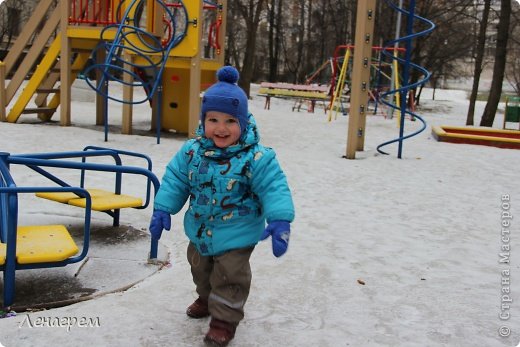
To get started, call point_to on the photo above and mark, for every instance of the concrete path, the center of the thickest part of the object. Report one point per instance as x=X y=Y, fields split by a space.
x=117 y=260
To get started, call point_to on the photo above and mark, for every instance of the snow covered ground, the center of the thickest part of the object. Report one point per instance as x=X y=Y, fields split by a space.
x=384 y=251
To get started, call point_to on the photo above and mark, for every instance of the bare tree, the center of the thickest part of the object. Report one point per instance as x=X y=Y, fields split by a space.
x=289 y=40
x=443 y=48
x=308 y=64
x=246 y=17
x=479 y=58
x=500 y=63
x=293 y=42
x=275 y=15
x=513 y=58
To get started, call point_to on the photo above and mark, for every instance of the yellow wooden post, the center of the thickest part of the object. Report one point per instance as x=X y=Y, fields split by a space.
x=222 y=33
x=128 y=96
x=360 y=77
x=193 y=121
x=65 y=65
x=2 y=92
x=101 y=99
x=194 y=83
x=195 y=68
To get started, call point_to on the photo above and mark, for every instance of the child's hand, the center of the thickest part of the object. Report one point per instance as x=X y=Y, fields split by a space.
x=279 y=230
x=160 y=220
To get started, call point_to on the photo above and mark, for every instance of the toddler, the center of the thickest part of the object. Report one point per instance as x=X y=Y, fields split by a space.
x=234 y=185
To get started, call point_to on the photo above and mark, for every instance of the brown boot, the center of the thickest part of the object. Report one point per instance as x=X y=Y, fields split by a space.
x=199 y=309
x=220 y=333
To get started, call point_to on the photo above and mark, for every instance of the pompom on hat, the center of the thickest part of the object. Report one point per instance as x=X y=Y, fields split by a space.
x=227 y=97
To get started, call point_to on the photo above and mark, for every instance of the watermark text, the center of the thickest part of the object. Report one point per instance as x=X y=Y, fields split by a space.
x=67 y=323
x=504 y=257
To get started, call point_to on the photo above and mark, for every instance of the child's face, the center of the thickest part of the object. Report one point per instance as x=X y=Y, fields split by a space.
x=222 y=128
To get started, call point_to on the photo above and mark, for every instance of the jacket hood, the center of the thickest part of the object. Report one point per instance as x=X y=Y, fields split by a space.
x=249 y=138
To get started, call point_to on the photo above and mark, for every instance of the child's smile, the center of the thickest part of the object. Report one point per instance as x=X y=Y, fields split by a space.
x=222 y=128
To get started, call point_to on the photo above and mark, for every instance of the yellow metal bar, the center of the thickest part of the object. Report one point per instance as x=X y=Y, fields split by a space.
x=397 y=86
x=40 y=73
x=93 y=33
x=342 y=81
x=341 y=77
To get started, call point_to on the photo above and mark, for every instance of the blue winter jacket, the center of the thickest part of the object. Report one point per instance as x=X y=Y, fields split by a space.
x=231 y=191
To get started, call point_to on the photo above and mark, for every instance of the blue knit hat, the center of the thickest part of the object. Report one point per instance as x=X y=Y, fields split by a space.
x=227 y=97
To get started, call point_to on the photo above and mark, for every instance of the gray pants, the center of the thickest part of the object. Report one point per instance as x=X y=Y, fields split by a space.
x=224 y=281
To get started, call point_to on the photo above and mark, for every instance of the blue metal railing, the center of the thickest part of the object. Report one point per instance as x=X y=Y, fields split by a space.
x=38 y=161
x=9 y=224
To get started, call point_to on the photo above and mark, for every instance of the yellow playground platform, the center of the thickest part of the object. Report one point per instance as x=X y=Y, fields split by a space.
x=63 y=39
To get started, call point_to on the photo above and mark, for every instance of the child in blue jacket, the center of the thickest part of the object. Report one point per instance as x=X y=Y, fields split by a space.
x=234 y=185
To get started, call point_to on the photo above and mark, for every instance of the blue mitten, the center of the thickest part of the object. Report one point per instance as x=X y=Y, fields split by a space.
x=279 y=230
x=160 y=220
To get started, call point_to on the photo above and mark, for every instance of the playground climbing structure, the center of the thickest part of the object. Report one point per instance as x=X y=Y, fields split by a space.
x=408 y=65
x=170 y=48
x=361 y=75
x=341 y=77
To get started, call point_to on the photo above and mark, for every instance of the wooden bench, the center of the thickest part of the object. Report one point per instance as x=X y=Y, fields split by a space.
x=299 y=92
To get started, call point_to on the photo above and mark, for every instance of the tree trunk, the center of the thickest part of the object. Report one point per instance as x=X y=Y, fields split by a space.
x=479 y=58
x=299 y=48
x=500 y=63
x=278 y=37
x=275 y=18
x=251 y=15
x=308 y=62
x=271 y=77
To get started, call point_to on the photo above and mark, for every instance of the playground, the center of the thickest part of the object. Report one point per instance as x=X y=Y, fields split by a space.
x=383 y=251
x=422 y=233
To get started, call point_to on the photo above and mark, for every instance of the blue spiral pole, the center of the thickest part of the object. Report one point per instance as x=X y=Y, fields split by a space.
x=407 y=65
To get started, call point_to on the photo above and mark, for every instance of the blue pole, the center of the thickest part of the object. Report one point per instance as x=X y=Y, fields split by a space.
x=9 y=226
x=406 y=75
x=159 y=113
x=105 y=109
x=153 y=248
x=4 y=171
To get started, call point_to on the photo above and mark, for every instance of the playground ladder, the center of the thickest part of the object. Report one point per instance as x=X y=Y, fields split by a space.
x=46 y=77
